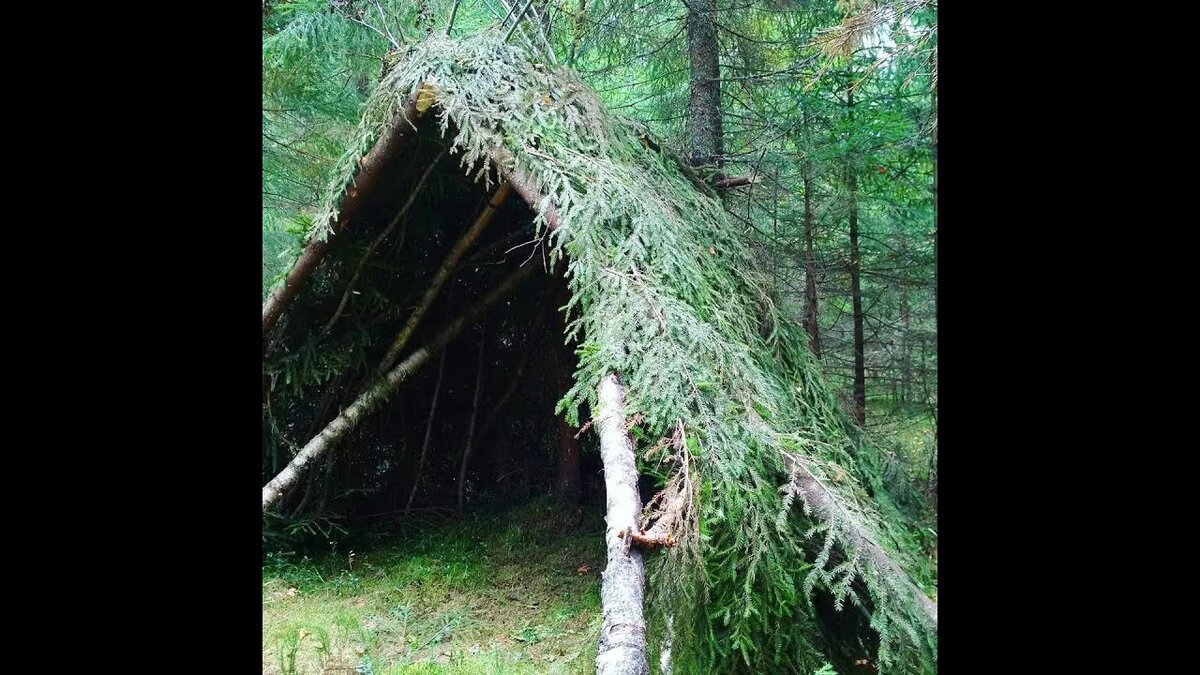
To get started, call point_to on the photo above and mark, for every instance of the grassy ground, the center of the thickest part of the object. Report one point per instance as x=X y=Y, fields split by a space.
x=909 y=431
x=911 y=434
x=517 y=592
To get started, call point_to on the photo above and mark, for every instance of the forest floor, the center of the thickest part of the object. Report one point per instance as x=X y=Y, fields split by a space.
x=515 y=592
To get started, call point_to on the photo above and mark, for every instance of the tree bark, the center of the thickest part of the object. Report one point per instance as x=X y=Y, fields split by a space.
x=826 y=508
x=810 y=266
x=905 y=326
x=704 y=106
x=860 y=366
x=933 y=111
x=623 y=635
x=441 y=277
x=566 y=481
x=378 y=392
x=462 y=471
x=370 y=167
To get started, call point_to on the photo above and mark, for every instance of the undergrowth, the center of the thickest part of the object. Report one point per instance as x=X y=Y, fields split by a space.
x=517 y=592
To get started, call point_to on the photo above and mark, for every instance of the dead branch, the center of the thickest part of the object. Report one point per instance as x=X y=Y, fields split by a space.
x=441 y=277
x=738 y=181
x=375 y=243
x=383 y=388
x=370 y=168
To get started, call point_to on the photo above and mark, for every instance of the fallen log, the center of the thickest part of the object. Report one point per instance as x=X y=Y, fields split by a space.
x=378 y=392
x=623 y=635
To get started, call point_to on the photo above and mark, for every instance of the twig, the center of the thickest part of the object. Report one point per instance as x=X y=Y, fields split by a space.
x=381 y=33
x=517 y=21
x=428 y=432
x=383 y=18
x=453 y=13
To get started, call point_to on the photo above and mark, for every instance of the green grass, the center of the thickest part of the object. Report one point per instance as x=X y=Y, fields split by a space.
x=492 y=594
x=910 y=431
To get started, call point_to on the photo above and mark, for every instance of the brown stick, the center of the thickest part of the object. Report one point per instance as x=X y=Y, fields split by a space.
x=462 y=471
x=412 y=197
x=371 y=166
x=441 y=277
x=524 y=184
x=379 y=392
x=437 y=388
x=736 y=182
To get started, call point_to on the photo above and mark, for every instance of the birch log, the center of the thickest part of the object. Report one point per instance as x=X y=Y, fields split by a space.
x=378 y=392
x=623 y=634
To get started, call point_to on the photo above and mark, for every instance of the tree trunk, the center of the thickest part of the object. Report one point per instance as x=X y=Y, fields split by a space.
x=810 y=266
x=370 y=167
x=860 y=369
x=462 y=471
x=623 y=634
x=905 y=326
x=704 y=107
x=378 y=392
x=441 y=277
x=567 y=477
x=933 y=106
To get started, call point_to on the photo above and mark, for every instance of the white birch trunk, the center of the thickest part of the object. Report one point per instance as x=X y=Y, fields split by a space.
x=378 y=392
x=623 y=635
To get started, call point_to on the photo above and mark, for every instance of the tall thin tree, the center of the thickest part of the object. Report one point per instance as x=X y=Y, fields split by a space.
x=860 y=366
x=704 y=108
